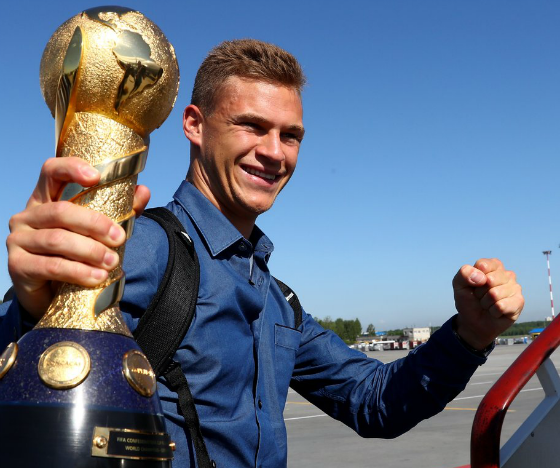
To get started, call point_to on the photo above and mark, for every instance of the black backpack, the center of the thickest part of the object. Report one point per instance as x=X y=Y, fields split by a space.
x=168 y=317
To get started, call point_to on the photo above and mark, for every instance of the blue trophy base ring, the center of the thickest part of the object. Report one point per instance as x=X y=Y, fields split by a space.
x=103 y=421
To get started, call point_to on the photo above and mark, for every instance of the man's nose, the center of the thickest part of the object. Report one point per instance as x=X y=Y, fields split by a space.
x=271 y=147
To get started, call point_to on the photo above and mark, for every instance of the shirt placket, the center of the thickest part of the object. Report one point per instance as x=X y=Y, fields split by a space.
x=260 y=279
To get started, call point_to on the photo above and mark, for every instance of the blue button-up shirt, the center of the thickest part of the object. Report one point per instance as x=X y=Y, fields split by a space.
x=242 y=351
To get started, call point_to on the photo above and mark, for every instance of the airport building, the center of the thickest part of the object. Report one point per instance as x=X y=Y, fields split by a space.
x=416 y=334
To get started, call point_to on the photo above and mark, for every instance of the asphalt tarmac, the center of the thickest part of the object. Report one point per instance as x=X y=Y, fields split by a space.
x=316 y=440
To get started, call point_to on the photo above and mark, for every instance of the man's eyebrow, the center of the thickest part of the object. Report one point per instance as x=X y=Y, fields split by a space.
x=260 y=119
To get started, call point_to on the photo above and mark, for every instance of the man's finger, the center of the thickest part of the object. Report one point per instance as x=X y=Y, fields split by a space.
x=66 y=215
x=56 y=173
x=509 y=307
x=141 y=199
x=487 y=265
x=468 y=277
x=497 y=293
x=39 y=268
x=63 y=243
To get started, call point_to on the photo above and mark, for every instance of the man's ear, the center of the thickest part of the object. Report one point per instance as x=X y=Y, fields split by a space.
x=192 y=124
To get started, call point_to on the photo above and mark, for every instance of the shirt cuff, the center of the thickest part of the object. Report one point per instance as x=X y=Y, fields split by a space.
x=447 y=338
x=478 y=352
x=15 y=322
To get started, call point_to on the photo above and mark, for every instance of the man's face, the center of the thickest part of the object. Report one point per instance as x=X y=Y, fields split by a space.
x=248 y=147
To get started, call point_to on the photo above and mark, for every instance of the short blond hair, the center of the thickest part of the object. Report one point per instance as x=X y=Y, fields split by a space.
x=244 y=58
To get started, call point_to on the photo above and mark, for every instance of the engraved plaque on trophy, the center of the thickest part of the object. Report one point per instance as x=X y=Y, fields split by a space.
x=77 y=390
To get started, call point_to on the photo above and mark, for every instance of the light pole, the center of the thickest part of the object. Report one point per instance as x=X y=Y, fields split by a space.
x=548 y=253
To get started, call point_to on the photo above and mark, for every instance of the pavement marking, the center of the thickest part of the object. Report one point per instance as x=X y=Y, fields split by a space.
x=323 y=415
x=306 y=417
x=482 y=396
x=471 y=409
x=490 y=373
x=497 y=373
x=482 y=383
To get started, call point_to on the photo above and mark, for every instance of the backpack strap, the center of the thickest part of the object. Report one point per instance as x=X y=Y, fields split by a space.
x=293 y=300
x=167 y=319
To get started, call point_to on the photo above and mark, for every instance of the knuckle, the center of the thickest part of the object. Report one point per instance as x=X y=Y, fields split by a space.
x=98 y=218
x=101 y=222
x=11 y=241
x=77 y=270
x=14 y=264
x=96 y=253
x=494 y=294
x=54 y=239
x=53 y=267
x=14 y=222
x=463 y=272
x=499 y=307
x=60 y=208
x=48 y=166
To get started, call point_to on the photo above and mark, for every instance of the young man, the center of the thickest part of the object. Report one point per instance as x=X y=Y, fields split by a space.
x=245 y=128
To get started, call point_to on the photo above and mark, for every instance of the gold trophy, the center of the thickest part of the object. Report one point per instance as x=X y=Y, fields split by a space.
x=77 y=390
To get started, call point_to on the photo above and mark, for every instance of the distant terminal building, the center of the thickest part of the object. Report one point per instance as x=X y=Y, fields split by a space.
x=416 y=334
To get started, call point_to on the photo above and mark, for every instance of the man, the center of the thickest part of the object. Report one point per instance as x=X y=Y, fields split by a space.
x=245 y=129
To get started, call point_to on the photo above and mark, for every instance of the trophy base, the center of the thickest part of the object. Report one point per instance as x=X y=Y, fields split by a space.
x=80 y=399
x=59 y=437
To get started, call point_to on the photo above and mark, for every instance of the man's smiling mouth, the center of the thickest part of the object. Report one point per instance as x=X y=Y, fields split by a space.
x=261 y=174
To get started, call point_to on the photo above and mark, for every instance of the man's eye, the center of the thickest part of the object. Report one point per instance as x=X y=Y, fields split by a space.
x=292 y=137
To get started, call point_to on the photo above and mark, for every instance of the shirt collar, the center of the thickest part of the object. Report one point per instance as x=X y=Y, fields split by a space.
x=214 y=227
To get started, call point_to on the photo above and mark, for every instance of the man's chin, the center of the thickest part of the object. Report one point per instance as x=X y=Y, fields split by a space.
x=258 y=208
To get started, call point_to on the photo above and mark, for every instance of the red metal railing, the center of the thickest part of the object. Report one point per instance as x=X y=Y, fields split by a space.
x=487 y=425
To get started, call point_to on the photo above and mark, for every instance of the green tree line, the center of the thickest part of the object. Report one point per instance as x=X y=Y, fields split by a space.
x=348 y=330
x=524 y=328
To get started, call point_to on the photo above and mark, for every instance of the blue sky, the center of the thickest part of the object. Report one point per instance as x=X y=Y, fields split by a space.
x=433 y=139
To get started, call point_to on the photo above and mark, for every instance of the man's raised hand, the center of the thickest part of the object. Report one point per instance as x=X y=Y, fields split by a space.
x=59 y=241
x=488 y=299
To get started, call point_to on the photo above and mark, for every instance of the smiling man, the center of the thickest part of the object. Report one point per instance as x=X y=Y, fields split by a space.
x=244 y=348
x=245 y=150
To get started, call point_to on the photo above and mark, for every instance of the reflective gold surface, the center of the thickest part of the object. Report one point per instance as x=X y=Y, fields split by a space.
x=70 y=68
x=106 y=34
x=139 y=373
x=110 y=171
x=64 y=365
x=8 y=358
x=110 y=77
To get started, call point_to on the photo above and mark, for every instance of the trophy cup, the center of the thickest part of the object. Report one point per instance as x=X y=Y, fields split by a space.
x=77 y=391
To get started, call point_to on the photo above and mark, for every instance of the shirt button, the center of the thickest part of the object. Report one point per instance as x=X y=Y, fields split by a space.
x=260 y=404
x=260 y=281
x=242 y=247
x=213 y=464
